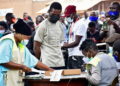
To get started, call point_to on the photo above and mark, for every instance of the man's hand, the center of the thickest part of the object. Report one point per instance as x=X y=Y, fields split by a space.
x=50 y=69
x=110 y=22
x=25 y=68
x=65 y=44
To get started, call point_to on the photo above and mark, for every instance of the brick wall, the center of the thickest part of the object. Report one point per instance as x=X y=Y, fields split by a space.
x=21 y=6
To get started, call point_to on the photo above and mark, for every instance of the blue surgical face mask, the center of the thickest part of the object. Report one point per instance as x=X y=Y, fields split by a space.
x=90 y=58
x=113 y=14
x=69 y=20
x=93 y=18
x=24 y=42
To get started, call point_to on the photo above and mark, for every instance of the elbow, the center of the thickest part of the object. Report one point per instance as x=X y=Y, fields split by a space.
x=96 y=82
x=93 y=80
x=76 y=44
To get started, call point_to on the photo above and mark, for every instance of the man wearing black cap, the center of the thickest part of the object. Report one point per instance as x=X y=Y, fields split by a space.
x=17 y=59
x=48 y=37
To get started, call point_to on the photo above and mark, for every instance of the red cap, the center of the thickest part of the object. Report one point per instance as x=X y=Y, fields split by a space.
x=69 y=10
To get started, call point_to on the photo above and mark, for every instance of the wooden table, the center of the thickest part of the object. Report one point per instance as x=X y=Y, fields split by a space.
x=76 y=80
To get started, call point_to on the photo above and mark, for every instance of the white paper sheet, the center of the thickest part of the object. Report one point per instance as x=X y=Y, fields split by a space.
x=38 y=71
x=56 y=75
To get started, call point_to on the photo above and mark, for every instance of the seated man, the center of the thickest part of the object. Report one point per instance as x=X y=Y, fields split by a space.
x=101 y=69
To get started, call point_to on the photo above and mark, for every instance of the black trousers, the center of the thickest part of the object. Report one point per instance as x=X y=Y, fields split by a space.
x=65 y=55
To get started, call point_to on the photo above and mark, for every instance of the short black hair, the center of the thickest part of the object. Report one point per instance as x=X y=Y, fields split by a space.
x=88 y=44
x=116 y=46
x=117 y=4
x=40 y=17
x=92 y=24
x=55 y=5
x=9 y=15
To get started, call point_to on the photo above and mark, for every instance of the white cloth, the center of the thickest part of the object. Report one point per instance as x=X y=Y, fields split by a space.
x=78 y=29
x=85 y=21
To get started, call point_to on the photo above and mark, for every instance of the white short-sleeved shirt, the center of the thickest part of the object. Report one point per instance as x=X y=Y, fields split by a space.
x=78 y=29
x=50 y=36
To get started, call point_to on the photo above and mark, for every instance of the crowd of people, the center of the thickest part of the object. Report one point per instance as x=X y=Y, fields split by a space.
x=59 y=40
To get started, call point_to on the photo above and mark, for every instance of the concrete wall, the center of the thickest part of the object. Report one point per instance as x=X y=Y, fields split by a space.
x=103 y=5
x=32 y=7
x=37 y=6
x=19 y=6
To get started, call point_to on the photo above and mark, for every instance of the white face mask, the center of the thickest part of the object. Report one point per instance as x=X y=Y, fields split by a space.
x=24 y=42
x=2 y=31
x=69 y=19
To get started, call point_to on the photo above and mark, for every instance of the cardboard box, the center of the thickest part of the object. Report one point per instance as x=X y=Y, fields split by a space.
x=71 y=72
x=66 y=72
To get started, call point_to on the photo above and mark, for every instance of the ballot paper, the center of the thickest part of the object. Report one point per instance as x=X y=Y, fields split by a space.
x=38 y=71
x=56 y=75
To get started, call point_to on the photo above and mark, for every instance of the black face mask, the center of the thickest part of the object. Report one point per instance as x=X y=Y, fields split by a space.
x=54 y=18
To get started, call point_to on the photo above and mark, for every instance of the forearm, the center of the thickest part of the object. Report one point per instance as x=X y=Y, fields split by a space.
x=93 y=80
x=71 y=45
x=40 y=65
x=95 y=77
x=12 y=65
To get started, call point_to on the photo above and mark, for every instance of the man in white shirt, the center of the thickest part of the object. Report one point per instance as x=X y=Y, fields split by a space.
x=48 y=37
x=76 y=37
